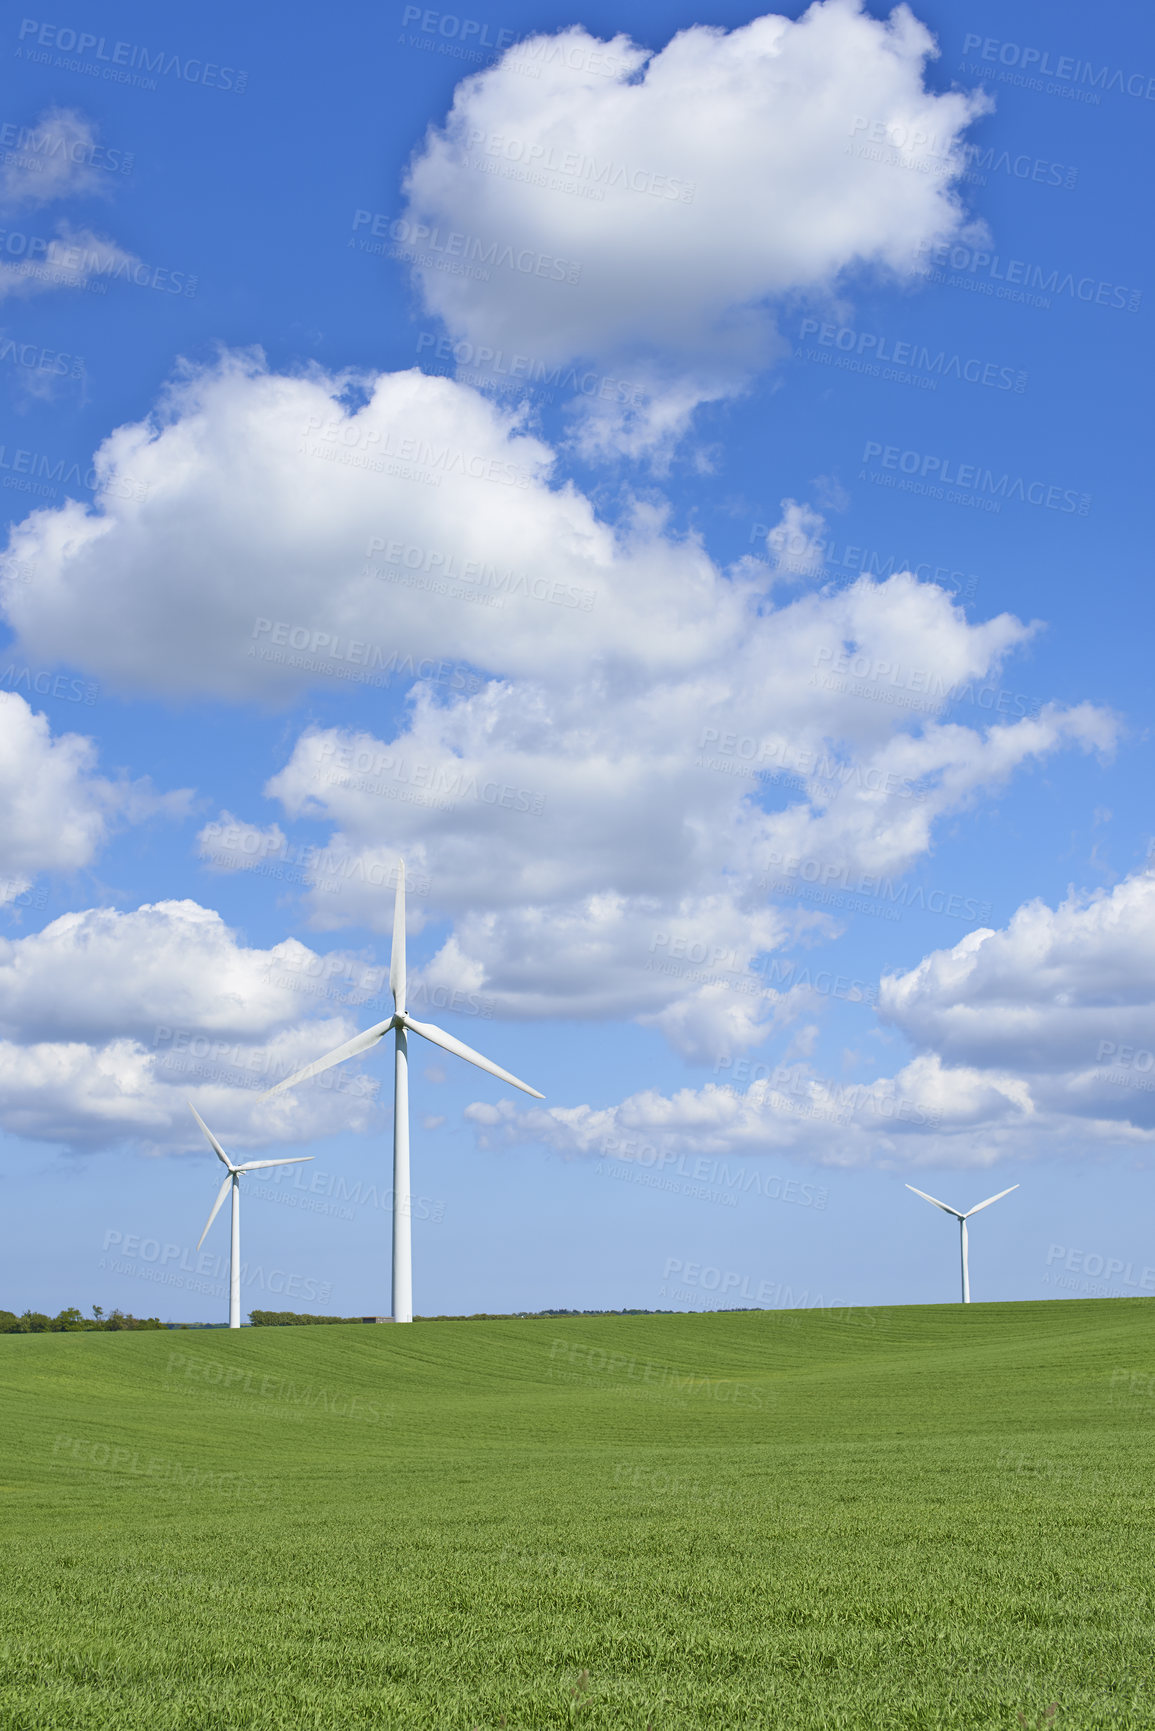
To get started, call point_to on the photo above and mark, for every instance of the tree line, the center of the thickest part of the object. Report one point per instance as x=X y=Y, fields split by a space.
x=71 y=1321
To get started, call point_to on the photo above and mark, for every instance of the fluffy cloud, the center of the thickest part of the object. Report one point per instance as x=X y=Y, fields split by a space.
x=56 y=157
x=1063 y=997
x=55 y=811
x=786 y=1109
x=310 y=539
x=1033 y=1040
x=646 y=217
x=109 y=1020
x=594 y=864
x=633 y=748
x=68 y=259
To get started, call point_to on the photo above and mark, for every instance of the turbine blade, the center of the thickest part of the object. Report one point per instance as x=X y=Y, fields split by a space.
x=360 y=1043
x=945 y=1206
x=989 y=1200
x=471 y=1057
x=221 y=1194
x=397 y=954
x=212 y=1141
x=295 y=1160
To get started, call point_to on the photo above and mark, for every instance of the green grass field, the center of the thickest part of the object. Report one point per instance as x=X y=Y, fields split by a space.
x=920 y=1517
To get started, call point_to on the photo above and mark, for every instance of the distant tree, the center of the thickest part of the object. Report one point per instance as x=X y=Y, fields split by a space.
x=289 y=1318
x=72 y=1321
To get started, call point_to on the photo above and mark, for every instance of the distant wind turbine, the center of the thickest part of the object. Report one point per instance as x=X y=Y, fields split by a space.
x=962 y=1223
x=401 y=1022
x=234 y=1180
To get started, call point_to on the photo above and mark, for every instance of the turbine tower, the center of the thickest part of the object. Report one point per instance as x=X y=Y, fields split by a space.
x=402 y=1023
x=234 y=1179
x=962 y=1225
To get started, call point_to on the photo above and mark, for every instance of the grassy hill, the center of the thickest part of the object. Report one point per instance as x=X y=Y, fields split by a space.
x=920 y=1517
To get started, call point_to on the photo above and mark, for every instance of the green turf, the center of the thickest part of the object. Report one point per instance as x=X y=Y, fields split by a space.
x=920 y=1517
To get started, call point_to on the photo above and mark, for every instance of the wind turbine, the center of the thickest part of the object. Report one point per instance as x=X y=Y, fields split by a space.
x=234 y=1179
x=962 y=1225
x=401 y=1023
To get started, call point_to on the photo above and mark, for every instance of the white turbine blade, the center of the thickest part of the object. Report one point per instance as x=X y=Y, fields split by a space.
x=294 y=1160
x=221 y=1194
x=397 y=954
x=350 y=1049
x=989 y=1200
x=471 y=1057
x=945 y=1206
x=212 y=1141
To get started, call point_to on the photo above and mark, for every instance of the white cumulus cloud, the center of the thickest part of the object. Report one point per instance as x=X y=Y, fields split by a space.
x=110 y=1020
x=55 y=811
x=648 y=220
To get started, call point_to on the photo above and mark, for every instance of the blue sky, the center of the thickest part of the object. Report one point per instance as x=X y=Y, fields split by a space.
x=676 y=477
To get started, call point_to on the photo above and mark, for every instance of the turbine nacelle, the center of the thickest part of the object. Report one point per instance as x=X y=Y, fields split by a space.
x=962 y=1219
x=957 y=1212
x=232 y=1182
x=400 y=1023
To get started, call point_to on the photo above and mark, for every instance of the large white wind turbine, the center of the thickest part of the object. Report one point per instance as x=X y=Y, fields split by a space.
x=962 y=1224
x=234 y=1180
x=401 y=1022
